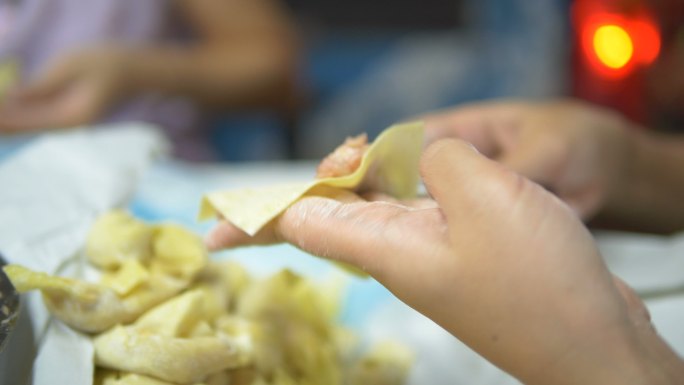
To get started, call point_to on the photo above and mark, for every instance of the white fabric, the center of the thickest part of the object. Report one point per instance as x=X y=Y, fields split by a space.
x=52 y=191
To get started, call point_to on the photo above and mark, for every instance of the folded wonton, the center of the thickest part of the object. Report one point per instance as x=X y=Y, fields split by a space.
x=141 y=266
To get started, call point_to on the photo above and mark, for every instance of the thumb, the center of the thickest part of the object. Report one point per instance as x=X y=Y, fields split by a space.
x=467 y=185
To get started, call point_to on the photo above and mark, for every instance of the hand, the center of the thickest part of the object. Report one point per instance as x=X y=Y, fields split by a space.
x=497 y=261
x=579 y=152
x=78 y=89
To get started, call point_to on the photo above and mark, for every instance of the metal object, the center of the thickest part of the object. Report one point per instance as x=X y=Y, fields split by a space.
x=9 y=306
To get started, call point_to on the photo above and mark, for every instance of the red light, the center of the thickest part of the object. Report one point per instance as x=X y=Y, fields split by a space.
x=613 y=44
x=647 y=40
x=597 y=54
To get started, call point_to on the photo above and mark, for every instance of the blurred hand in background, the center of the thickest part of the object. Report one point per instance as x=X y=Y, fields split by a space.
x=242 y=55
x=578 y=151
x=78 y=89
x=599 y=163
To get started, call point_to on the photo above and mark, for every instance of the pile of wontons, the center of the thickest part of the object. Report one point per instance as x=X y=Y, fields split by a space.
x=164 y=313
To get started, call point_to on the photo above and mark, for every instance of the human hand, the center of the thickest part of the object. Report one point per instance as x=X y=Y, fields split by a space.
x=78 y=89
x=578 y=151
x=496 y=260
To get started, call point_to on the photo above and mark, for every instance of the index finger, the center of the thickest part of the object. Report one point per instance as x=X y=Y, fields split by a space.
x=475 y=123
x=364 y=234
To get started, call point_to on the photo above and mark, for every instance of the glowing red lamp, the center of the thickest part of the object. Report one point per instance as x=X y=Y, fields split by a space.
x=616 y=42
x=614 y=45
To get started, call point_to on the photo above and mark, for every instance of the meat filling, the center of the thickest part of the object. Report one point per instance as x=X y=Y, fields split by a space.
x=345 y=159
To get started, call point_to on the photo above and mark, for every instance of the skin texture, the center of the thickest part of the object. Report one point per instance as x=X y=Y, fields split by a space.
x=244 y=57
x=494 y=258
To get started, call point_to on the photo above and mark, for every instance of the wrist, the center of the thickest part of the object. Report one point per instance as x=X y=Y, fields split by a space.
x=621 y=354
x=656 y=362
x=636 y=355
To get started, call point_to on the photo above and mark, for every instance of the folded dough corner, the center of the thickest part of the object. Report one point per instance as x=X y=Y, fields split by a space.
x=390 y=166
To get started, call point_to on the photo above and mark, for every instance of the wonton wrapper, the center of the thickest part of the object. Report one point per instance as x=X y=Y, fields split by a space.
x=190 y=321
x=92 y=307
x=160 y=343
x=116 y=237
x=387 y=363
x=390 y=165
x=111 y=377
x=130 y=275
x=180 y=360
x=293 y=330
x=144 y=266
x=177 y=252
x=175 y=317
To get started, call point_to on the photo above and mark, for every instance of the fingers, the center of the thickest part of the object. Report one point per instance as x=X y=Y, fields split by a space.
x=22 y=118
x=225 y=235
x=321 y=226
x=49 y=83
x=365 y=234
x=417 y=203
x=584 y=203
x=464 y=183
x=33 y=117
x=501 y=130
x=478 y=124
x=40 y=105
x=78 y=104
x=369 y=235
x=534 y=157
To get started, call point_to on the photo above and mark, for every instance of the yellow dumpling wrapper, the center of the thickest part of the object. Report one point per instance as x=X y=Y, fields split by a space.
x=387 y=363
x=116 y=237
x=111 y=377
x=390 y=165
x=179 y=360
x=130 y=275
x=178 y=251
x=175 y=317
x=24 y=280
x=91 y=307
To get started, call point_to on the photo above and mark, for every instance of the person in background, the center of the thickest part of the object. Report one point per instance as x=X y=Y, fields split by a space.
x=165 y=62
x=498 y=255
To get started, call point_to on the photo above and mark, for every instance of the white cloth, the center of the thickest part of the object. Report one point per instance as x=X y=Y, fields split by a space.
x=52 y=192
